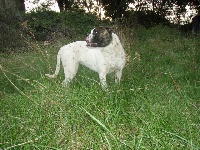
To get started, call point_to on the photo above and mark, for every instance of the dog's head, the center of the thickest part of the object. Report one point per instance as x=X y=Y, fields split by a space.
x=99 y=37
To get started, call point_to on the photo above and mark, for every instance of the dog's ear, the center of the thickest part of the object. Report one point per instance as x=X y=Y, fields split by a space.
x=109 y=30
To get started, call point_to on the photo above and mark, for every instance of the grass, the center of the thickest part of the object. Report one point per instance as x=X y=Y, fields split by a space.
x=156 y=106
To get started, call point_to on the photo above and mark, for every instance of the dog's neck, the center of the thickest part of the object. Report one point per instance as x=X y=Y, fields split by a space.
x=92 y=44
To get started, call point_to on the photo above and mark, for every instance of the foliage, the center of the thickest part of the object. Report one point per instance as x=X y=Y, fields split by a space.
x=43 y=23
x=115 y=8
x=146 y=19
x=163 y=8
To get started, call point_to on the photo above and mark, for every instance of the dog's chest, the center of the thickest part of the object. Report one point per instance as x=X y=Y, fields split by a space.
x=114 y=60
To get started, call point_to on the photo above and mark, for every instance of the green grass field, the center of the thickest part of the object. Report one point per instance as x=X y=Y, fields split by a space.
x=156 y=106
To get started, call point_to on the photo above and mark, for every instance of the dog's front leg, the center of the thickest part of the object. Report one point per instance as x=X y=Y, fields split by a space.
x=102 y=78
x=65 y=82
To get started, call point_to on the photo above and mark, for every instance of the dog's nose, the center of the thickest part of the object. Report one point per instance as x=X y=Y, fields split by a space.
x=87 y=36
x=87 y=39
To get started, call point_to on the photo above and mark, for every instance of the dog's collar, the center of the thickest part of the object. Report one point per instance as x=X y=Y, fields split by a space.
x=92 y=44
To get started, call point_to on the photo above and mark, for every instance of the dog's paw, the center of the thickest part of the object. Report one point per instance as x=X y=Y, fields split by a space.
x=50 y=76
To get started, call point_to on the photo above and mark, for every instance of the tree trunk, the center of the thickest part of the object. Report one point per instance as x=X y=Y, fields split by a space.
x=10 y=21
x=60 y=5
x=12 y=5
x=20 y=5
x=64 y=5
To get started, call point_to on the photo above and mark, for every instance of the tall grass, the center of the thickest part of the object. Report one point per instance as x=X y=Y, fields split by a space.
x=156 y=106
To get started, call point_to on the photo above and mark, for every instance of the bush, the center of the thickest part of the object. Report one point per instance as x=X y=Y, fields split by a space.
x=44 y=25
x=147 y=19
x=70 y=24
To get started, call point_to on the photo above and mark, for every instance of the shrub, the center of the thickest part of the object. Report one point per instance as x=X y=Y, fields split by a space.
x=69 y=24
x=44 y=25
x=147 y=19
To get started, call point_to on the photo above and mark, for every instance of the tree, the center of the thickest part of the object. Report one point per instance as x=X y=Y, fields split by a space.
x=167 y=8
x=20 y=5
x=118 y=8
x=115 y=8
x=64 y=5
x=196 y=4
x=10 y=21
x=12 y=5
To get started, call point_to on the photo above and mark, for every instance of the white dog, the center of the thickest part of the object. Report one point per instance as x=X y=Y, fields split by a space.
x=102 y=60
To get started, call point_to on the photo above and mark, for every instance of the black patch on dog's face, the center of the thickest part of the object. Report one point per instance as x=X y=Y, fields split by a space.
x=102 y=36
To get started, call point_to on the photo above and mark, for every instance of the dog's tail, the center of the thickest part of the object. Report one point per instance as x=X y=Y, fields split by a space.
x=57 y=68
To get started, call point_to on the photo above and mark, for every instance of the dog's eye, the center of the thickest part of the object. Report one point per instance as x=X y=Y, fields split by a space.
x=95 y=31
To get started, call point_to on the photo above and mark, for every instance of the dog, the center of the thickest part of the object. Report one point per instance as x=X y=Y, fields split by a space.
x=103 y=56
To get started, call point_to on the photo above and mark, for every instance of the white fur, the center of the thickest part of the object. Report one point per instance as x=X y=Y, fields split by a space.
x=102 y=60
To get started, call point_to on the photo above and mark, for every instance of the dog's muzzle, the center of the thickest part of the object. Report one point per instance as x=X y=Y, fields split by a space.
x=89 y=43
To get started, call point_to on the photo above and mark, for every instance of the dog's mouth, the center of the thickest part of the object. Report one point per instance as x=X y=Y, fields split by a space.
x=89 y=43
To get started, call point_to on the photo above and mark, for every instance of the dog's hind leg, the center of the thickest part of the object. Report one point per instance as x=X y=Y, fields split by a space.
x=57 y=68
x=118 y=74
x=70 y=70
